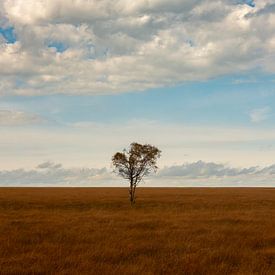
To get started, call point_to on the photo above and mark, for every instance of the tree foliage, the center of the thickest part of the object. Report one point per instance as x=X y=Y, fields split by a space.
x=135 y=163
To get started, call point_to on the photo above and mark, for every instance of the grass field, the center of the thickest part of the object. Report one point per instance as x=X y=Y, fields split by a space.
x=168 y=231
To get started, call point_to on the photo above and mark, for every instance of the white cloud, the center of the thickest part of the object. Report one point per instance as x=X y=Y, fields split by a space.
x=49 y=165
x=189 y=174
x=202 y=169
x=261 y=114
x=12 y=117
x=212 y=174
x=54 y=174
x=120 y=46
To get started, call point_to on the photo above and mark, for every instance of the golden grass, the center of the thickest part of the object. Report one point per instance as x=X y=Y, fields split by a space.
x=168 y=231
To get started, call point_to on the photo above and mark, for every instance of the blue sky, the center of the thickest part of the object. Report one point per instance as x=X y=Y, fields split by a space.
x=8 y=34
x=80 y=80
x=224 y=101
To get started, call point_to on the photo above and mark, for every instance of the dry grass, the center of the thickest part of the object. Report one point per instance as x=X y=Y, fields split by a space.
x=169 y=231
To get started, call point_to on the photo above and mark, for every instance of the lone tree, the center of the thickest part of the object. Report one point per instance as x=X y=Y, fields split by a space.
x=135 y=163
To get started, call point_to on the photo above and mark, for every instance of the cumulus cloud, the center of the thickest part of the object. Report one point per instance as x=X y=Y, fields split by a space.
x=49 y=173
x=49 y=165
x=199 y=173
x=210 y=174
x=202 y=169
x=261 y=114
x=95 y=47
x=11 y=117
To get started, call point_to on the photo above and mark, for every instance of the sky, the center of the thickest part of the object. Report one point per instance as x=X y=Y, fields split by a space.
x=82 y=79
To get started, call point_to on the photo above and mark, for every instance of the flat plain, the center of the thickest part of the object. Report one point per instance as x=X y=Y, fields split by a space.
x=168 y=231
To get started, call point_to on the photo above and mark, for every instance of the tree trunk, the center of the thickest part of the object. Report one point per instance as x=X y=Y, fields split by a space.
x=131 y=192
x=134 y=192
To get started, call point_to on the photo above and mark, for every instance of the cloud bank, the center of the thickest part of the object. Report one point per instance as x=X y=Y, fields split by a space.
x=99 y=47
x=202 y=169
x=189 y=174
x=53 y=174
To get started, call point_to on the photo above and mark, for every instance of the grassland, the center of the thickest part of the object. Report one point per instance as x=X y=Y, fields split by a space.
x=168 y=231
